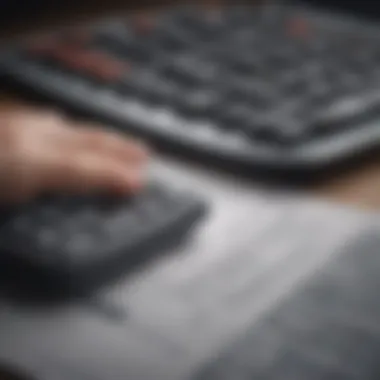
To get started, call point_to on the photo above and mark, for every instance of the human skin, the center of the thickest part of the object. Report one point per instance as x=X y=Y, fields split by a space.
x=43 y=152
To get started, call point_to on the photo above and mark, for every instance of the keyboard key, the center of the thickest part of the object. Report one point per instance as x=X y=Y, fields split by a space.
x=198 y=103
x=235 y=116
x=190 y=70
x=42 y=46
x=90 y=63
x=341 y=111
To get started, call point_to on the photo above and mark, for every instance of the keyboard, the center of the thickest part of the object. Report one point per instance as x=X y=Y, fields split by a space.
x=71 y=246
x=273 y=86
x=325 y=330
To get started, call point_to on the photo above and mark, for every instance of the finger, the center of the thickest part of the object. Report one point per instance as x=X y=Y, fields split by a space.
x=110 y=143
x=49 y=120
x=87 y=173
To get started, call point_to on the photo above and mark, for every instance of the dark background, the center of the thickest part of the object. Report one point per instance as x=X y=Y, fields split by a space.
x=23 y=7
x=19 y=9
x=359 y=7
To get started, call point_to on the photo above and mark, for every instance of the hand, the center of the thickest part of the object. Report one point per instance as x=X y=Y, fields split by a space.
x=41 y=152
